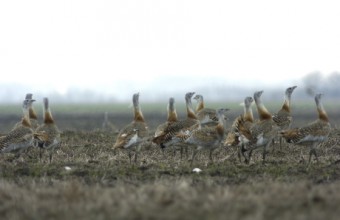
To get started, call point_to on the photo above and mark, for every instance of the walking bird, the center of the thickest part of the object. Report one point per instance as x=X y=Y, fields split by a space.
x=206 y=116
x=241 y=123
x=312 y=134
x=168 y=136
x=47 y=135
x=32 y=115
x=133 y=134
x=20 y=137
x=261 y=133
x=172 y=117
x=206 y=137
x=283 y=117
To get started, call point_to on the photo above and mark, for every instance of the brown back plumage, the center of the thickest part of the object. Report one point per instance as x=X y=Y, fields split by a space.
x=209 y=136
x=172 y=117
x=241 y=124
x=283 y=117
x=166 y=138
x=135 y=132
x=316 y=131
x=205 y=115
x=21 y=137
x=47 y=135
x=264 y=130
x=32 y=115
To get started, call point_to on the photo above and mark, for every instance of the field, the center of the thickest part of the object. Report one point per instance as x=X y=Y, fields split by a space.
x=87 y=180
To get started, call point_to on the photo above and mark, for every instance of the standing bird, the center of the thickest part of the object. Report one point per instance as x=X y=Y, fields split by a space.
x=47 y=135
x=133 y=134
x=241 y=123
x=206 y=116
x=261 y=133
x=172 y=117
x=312 y=134
x=168 y=136
x=20 y=137
x=284 y=118
x=206 y=137
x=32 y=115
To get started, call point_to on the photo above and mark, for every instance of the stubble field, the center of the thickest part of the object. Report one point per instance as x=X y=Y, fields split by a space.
x=87 y=180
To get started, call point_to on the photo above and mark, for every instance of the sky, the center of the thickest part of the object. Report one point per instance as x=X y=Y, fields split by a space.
x=120 y=47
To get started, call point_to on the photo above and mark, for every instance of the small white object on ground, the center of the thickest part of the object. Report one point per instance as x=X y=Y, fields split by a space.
x=197 y=170
x=67 y=168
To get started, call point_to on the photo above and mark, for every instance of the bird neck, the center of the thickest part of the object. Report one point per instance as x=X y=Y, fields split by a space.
x=138 y=115
x=172 y=116
x=263 y=112
x=32 y=114
x=286 y=104
x=191 y=114
x=200 y=105
x=322 y=113
x=220 y=125
x=190 y=111
x=25 y=119
x=48 y=119
x=26 y=122
x=248 y=114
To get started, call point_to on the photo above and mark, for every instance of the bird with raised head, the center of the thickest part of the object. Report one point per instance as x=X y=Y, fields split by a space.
x=206 y=137
x=313 y=133
x=241 y=124
x=261 y=133
x=47 y=135
x=21 y=137
x=283 y=118
x=135 y=133
x=32 y=115
x=206 y=116
x=168 y=136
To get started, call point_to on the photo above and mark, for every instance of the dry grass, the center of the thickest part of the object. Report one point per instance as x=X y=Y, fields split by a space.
x=103 y=185
x=169 y=198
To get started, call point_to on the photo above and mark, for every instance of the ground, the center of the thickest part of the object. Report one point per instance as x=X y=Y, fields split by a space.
x=87 y=180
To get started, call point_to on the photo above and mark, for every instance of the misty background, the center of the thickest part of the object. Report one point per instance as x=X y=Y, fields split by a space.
x=161 y=89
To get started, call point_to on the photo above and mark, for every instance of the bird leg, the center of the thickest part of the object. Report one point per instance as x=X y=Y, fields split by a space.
x=281 y=141
x=316 y=156
x=130 y=155
x=247 y=160
x=311 y=152
x=273 y=142
x=241 y=151
x=193 y=156
x=265 y=151
x=136 y=155
x=40 y=154
x=50 y=157
x=264 y=154
x=184 y=148
x=310 y=156
x=210 y=155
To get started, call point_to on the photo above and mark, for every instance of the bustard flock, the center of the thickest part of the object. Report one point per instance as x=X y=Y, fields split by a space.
x=203 y=128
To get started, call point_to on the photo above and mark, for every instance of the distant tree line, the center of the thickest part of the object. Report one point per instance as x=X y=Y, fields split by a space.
x=310 y=84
